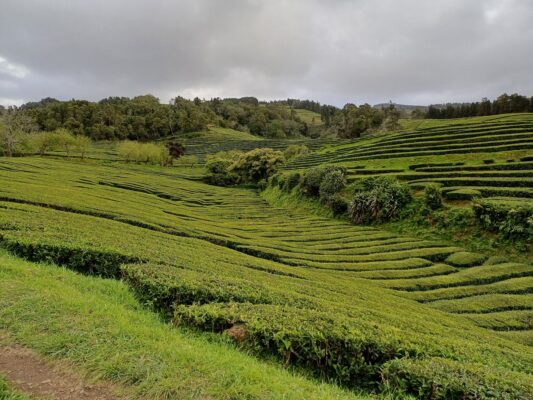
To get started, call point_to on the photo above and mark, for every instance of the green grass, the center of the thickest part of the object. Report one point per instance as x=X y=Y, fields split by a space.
x=309 y=117
x=99 y=326
x=8 y=393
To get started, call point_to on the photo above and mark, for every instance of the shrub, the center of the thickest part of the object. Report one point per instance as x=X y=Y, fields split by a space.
x=378 y=199
x=465 y=259
x=281 y=181
x=433 y=197
x=148 y=153
x=273 y=180
x=511 y=221
x=256 y=164
x=294 y=151
x=82 y=144
x=311 y=181
x=332 y=183
x=64 y=139
x=262 y=184
x=338 y=205
x=313 y=178
x=291 y=181
x=218 y=173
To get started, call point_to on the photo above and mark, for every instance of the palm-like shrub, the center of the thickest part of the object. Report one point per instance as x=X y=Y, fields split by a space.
x=378 y=199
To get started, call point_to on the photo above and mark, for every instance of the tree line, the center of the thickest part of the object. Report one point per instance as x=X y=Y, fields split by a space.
x=146 y=118
x=504 y=104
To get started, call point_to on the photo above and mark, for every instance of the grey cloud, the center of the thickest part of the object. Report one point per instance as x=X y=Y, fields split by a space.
x=411 y=51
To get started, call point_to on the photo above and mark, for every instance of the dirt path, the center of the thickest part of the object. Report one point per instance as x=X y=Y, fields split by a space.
x=28 y=373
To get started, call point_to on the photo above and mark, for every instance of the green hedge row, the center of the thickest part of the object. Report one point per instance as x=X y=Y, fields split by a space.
x=86 y=261
x=321 y=342
x=164 y=286
x=493 y=167
x=434 y=165
x=438 y=378
x=494 y=182
x=461 y=150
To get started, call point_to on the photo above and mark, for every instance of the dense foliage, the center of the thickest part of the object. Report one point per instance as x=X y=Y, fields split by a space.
x=511 y=220
x=504 y=104
x=145 y=118
x=378 y=199
x=234 y=167
x=148 y=153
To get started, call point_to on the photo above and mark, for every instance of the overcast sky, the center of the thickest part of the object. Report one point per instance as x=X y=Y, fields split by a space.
x=333 y=51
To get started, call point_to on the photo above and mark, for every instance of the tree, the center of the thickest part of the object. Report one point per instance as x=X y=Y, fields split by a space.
x=257 y=164
x=175 y=150
x=392 y=118
x=14 y=127
x=65 y=139
x=82 y=144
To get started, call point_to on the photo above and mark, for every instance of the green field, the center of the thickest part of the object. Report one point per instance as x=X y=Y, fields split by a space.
x=230 y=293
x=214 y=258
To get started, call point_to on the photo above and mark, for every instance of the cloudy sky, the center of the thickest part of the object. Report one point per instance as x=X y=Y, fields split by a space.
x=333 y=51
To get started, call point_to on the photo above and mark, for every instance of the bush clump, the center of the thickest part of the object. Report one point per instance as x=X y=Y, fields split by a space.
x=338 y=205
x=511 y=221
x=378 y=199
x=295 y=150
x=235 y=167
x=147 y=153
x=312 y=180
x=291 y=181
x=433 y=197
x=332 y=183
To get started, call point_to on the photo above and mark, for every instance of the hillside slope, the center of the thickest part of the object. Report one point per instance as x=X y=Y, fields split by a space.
x=307 y=289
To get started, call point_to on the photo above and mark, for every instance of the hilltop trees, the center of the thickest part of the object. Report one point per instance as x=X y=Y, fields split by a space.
x=145 y=118
x=504 y=104
x=352 y=120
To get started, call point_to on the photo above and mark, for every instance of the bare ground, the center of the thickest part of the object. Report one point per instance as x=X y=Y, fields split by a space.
x=28 y=373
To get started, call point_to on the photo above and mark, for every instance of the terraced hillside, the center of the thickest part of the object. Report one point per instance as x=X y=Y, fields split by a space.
x=213 y=140
x=477 y=157
x=204 y=145
x=355 y=304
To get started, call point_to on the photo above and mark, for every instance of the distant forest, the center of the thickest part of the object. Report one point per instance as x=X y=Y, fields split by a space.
x=146 y=118
x=504 y=104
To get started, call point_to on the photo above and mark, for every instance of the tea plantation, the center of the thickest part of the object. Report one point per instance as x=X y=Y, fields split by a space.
x=375 y=312
x=475 y=157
